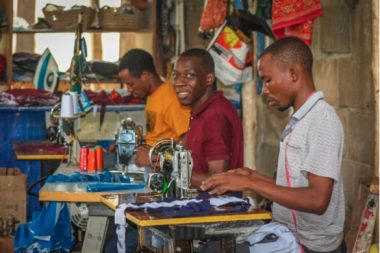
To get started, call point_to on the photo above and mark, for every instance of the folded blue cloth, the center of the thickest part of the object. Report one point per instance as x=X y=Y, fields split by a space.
x=170 y=208
x=106 y=177
x=102 y=187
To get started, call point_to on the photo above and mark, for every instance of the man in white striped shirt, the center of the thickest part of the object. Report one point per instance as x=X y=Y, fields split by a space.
x=308 y=191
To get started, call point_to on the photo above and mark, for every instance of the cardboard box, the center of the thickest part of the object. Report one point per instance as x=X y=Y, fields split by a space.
x=12 y=199
x=6 y=244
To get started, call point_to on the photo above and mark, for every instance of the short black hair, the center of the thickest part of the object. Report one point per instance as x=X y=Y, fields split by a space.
x=291 y=50
x=136 y=61
x=206 y=59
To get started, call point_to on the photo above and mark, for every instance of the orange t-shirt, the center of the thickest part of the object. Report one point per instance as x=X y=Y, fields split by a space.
x=165 y=116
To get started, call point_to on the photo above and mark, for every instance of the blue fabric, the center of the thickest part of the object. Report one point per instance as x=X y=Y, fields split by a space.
x=105 y=177
x=101 y=187
x=49 y=230
x=193 y=209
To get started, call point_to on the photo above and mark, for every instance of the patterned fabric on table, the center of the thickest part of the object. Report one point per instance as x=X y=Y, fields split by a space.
x=295 y=18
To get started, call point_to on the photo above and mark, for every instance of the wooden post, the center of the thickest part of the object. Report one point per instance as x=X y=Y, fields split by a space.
x=26 y=9
x=96 y=39
x=249 y=105
x=375 y=75
x=7 y=41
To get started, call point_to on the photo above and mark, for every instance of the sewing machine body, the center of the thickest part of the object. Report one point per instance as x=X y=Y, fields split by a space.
x=128 y=138
x=173 y=176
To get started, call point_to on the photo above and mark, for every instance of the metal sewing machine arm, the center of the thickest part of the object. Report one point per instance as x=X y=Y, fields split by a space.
x=172 y=169
x=128 y=138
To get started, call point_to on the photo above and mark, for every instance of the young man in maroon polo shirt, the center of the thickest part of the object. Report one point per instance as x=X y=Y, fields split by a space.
x=215 y=135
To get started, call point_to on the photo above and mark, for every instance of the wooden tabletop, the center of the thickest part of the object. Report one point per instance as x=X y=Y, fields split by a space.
x=73 y=192
x=76 y=192
x=39 y=150
x=143 y=219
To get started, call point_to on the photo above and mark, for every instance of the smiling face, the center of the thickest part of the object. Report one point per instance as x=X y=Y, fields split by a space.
x=193 y=83
x=138 y=87
x=278 y=86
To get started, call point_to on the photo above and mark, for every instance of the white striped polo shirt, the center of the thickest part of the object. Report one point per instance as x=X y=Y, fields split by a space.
x=315 y=144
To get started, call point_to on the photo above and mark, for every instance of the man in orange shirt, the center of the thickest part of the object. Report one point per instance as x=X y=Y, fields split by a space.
x=165 y=117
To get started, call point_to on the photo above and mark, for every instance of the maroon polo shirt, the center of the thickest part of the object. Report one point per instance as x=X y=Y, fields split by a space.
x=215 y=133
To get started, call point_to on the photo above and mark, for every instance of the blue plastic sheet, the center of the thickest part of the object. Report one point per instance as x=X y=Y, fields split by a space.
x=16 y=125
x=48 y=231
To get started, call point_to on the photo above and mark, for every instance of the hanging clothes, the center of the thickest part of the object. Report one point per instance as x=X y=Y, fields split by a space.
x=214 y=14
x=295 y=18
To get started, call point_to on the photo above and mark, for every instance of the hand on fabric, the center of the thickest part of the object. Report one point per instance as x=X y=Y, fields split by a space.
x=228 y=181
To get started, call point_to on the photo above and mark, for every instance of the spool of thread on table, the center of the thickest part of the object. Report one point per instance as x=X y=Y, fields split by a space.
x=74 y=95
x=99 y=158
x=83 y=159
x=91 y=164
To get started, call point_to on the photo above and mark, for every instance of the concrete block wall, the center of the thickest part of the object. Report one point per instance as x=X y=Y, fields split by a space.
x=341 y=46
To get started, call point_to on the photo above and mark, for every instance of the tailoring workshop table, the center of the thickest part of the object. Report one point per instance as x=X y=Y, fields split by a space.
x=73 y=191
x=182 y=225
x=43 y=158
x=76 y=192
x=39 y=150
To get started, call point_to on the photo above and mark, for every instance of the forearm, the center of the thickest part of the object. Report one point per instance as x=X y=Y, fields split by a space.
x=258 y=176
x=197 y=179
x=313 y=198
x=214 y=167
x=302 y=199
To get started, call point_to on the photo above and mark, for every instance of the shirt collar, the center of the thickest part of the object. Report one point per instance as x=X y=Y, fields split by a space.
x=203 y=106
x=301 y=112
x=306 y=107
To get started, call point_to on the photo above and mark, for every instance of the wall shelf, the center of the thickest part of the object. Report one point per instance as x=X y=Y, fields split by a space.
x=7 y=39
x=85 y=31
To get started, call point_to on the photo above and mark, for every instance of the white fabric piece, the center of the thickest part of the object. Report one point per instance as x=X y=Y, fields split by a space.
x=273 y=237
x=121 y=225
x=224 y=200
x=163 y=204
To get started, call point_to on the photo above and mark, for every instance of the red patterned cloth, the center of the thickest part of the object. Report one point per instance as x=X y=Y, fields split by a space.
x=213 y=15
x=295 y=18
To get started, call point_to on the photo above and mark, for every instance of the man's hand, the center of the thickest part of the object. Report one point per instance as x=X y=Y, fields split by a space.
x=234 y=180
x=112 y=148
x=142 y=156
x=242 y=171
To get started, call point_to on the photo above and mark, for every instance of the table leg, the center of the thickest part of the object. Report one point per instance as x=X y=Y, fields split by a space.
x=227 y=245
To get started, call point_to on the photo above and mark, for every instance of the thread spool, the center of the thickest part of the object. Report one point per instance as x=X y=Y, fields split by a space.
x=67 y=110
x=91 y=163
x=74 y=95
x=99 y=158
x=83 y=160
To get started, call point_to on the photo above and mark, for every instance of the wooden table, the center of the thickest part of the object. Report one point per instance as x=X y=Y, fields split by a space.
x=144 y=221
x=74 y=192
x=39 y=150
